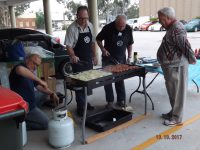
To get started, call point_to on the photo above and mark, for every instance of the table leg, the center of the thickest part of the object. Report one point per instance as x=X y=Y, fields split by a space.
x=196 y=85
x=135 y=90
x=84 y=116
x=145 y=95
x=142 y=92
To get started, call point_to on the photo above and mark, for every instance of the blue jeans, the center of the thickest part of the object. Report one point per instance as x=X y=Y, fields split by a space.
x=36 y=119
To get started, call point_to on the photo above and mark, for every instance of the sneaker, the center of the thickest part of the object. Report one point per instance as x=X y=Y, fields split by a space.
x=109 y=105
x=172 y=123
x=167 y=116
x=120 y=104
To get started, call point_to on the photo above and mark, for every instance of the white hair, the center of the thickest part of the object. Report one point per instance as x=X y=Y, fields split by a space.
x=167 y=11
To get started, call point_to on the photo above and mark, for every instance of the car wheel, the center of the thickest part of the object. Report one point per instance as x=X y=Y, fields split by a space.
x=65 y=68
x=195 y=29
x=136 y=29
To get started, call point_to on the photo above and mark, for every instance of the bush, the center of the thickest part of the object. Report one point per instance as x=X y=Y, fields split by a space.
x=153 y=19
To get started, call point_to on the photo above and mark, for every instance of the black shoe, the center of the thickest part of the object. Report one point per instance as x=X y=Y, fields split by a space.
x=121 y=103
x=109 y=105
x=167 y=116
x=80 y=110
x=90 y=107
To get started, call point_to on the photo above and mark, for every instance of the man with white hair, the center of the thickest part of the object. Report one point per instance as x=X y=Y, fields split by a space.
x=23 y=81
x=174 y=55
x=118 y=38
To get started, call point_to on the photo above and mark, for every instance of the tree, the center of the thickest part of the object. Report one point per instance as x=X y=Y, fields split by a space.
x=71 y=7
x=20 y=9
x=115 y=7
x=133 y=11
x=40 y=19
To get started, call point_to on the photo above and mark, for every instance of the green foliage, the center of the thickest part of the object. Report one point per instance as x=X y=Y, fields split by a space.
x=20 y=9
x=110 y=7
x=71 y=6
x=153 y=19
x=133 y=11
x=198 y=17
x=40 y=20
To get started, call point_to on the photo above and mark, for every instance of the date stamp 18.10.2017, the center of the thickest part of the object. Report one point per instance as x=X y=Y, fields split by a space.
x=169 y=137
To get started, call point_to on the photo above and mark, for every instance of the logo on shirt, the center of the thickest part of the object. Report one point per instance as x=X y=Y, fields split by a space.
x=87 y=39
x=119 y=43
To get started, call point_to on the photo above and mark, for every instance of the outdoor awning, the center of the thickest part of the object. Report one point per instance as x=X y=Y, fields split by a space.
x=13 y=2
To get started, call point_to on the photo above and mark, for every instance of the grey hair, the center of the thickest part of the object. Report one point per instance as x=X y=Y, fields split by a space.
x=119 y=17
x=167 y=11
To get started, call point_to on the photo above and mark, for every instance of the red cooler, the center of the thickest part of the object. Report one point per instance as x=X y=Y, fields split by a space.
x=12 y=112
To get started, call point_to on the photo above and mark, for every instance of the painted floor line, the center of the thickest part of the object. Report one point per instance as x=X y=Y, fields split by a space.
x=165 y=134
x=120 y=127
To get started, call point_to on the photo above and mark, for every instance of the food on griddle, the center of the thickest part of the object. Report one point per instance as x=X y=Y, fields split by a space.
x=90 y=75
x=119 y=68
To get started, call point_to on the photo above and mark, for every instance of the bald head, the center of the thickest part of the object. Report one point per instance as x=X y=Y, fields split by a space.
x=120 y=22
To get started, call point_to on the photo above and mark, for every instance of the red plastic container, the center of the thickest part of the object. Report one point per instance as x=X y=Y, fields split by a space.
x=12 y=112
x=11 y=101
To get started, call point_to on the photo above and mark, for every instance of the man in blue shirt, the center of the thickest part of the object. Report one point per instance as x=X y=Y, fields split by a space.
x=23 y=81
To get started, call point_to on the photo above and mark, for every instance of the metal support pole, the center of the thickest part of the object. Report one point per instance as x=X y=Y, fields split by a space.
x=47 y=16
x=93 y=12
x=12 y=16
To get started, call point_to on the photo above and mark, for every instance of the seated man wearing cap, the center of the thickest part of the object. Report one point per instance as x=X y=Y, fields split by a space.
x=23 y=81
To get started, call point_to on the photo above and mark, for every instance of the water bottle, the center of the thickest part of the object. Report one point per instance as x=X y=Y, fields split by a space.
x=135 y=57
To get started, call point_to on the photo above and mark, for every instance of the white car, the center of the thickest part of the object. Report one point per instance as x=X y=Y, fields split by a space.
x=156 y=27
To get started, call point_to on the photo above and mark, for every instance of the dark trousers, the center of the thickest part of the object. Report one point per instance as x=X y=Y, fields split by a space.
x=120 y=90
x=119 y=87
x=80 y=94
x=37 y=119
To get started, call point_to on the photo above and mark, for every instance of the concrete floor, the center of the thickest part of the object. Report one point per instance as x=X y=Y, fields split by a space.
x=138 y=135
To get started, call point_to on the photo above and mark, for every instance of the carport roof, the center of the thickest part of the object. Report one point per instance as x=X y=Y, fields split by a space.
x=13 y=2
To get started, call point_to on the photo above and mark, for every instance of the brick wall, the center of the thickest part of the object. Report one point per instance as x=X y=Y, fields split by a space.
x=25 y=23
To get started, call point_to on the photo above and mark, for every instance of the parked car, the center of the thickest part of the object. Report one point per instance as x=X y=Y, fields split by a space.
x=156 y=27
x=46 y=41
x=193 y=25
x=132 y=23
x=183 y=22
x=145 y=26
x=136 y=22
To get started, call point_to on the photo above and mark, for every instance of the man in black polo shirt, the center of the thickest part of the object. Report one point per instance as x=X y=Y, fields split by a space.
x=118 y=38
x=23 y=81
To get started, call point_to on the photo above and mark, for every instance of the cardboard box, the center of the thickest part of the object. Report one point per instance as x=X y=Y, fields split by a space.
x=46 y=69
x=51 y=83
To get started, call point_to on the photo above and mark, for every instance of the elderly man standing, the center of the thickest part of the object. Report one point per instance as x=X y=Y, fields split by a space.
x=23 y=81
x=118 y=38
x=80 y=44
x=174 y=55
